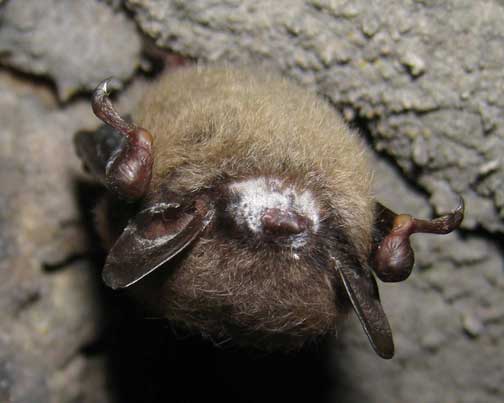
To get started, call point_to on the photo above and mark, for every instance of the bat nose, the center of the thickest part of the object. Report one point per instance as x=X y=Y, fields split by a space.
x=283 y=222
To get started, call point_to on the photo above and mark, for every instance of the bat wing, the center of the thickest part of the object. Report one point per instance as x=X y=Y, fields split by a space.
x=95 y=148
x=363 y=293
x=152 y=238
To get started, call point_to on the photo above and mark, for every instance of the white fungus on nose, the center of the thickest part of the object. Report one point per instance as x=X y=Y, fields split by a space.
x=253 y=196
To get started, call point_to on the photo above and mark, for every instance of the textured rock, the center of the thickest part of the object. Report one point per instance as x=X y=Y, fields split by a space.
x=426 y=77
x=47 y=317
x=74 y=43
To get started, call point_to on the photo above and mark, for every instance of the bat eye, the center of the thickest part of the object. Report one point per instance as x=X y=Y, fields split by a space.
x=283 y=222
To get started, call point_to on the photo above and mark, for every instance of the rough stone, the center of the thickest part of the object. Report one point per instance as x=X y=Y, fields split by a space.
x=47 y=317
x=74 y=43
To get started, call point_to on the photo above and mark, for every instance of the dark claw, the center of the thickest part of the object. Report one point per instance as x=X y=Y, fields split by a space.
x=444 y=224
x=104 y=110
x=128 y=172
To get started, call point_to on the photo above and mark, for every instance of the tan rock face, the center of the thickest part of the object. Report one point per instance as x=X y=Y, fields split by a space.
x=73 y=43
x=46 y=317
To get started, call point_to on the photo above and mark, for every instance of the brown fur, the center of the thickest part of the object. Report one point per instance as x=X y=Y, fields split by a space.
x=216 y=124
x=210 y=122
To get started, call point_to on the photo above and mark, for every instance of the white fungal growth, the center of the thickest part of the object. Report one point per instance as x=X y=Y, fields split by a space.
x=254 y=196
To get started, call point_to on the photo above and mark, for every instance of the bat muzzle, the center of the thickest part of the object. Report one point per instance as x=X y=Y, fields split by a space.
x=272 y=210
x=283 y=222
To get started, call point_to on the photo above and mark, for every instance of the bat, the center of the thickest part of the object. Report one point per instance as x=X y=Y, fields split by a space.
x=239 y=205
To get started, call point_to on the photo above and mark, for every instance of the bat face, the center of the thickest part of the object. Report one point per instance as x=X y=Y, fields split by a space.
x=254 y=264
x=253 y=218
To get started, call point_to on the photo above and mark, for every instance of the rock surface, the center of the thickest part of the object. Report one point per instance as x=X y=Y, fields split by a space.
x=422 y=80
x=74 y=43
x=47 y=317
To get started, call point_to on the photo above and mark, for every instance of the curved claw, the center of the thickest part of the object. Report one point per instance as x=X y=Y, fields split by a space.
x=128 y=172
x=394 y=258
x=103 y=108
x=444 y=224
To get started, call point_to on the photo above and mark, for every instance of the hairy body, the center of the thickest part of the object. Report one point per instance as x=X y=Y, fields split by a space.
x=253 y=217
x=233 y=132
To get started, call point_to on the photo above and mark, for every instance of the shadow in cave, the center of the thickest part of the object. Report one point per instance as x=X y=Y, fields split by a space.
x=149 y=362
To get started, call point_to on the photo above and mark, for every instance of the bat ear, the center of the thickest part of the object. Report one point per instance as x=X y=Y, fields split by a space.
x=362 y=291
x=153 y=237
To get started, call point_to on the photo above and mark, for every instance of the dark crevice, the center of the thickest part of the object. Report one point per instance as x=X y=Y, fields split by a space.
x=160 y=60
x=31 y=79
x=155 y=62
x=26 y=298
x=495 y=238
x=68 y=261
